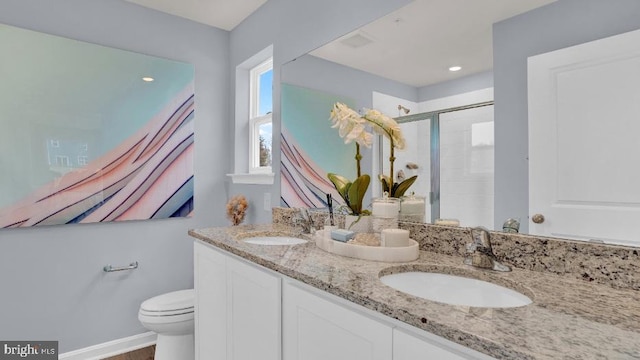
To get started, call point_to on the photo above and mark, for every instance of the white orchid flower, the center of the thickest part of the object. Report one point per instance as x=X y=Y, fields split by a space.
x=359 y=135
x=351 y=126
x=386 y=126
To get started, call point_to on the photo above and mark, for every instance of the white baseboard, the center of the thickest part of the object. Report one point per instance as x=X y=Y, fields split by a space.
x=111 y=348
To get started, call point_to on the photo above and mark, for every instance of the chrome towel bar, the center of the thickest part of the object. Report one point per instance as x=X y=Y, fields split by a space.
x=132 y=266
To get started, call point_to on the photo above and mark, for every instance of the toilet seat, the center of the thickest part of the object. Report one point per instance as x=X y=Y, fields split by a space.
x=178 y=303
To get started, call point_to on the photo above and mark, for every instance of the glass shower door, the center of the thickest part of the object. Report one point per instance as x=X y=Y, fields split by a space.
x=467 y=166
x=414 y=160
x=452 y=152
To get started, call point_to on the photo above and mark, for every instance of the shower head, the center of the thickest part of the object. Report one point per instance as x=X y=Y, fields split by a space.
x=402 y=108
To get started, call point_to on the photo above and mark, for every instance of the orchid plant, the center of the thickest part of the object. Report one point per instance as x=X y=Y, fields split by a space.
x=352 y=128
x=386 y=126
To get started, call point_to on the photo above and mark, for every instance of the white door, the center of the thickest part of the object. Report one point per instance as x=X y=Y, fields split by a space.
x=584 y=141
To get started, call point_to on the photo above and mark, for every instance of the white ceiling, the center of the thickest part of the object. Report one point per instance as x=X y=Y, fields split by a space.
x=414 y=45
x=417 y=44
x=223 y=14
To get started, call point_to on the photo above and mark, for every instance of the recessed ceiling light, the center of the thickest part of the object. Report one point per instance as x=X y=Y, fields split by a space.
x=455 y=68
x=148 y=79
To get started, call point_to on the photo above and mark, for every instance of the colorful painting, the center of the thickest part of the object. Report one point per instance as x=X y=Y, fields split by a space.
x=310 y=148
x=91 y=133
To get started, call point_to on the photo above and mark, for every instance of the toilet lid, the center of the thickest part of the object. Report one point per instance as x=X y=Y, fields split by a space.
x=174 y=302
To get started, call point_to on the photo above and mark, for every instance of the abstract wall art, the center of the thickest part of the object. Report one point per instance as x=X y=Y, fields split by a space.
x=90 y=133
x=310 y=148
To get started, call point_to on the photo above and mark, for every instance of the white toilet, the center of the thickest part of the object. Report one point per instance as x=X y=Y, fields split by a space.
x=171 y=316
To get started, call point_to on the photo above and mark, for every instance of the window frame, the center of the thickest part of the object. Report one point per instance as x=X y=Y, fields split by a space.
x=254 y=144
x=255 y=120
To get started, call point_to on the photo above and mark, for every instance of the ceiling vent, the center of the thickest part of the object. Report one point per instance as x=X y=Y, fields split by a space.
x=356 y=41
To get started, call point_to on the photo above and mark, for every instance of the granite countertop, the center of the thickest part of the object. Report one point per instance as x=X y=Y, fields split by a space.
x=568 y=319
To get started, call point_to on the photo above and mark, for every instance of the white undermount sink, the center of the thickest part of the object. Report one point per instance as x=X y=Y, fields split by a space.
x=274 y=240
x=455 y=290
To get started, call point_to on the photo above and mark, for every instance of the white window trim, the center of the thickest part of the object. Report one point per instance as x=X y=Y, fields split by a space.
x=252 y=179
x=246 y=102
x=254 y=79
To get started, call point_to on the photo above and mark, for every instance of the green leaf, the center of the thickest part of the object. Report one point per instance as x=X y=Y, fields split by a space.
x=392 y=193
x=357 y=192
x=400 y=189
x=342 y=184
x=386 y=186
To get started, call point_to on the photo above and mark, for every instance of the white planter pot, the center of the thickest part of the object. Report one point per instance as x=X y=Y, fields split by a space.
x=363 y=225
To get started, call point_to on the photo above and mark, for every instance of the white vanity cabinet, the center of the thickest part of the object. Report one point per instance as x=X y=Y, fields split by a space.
x=246 y=312
x=315 y=328
x=210 y=283
x=237 y=308
x=319 y=326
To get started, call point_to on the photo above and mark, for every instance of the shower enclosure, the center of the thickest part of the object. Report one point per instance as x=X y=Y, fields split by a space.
x=452 y=152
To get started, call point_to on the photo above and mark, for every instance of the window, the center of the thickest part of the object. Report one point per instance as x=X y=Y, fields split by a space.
x=261 y=103
x=252 y=155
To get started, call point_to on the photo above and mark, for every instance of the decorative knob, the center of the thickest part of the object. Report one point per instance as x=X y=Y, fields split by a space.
x=537 y=218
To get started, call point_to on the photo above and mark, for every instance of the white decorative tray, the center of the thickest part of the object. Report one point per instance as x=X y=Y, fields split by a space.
x=375 y=253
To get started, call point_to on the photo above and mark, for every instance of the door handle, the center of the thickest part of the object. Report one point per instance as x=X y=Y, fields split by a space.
x=537 y=218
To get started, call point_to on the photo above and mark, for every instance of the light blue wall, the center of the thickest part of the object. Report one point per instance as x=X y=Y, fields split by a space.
x=53 y=286
x=462 y=85
x=555 y=26
x=316 y=73
x=294 y=27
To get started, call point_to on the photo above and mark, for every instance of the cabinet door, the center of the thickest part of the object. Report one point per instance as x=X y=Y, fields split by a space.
x=210 y=303
x=253 y=312
x=409 y=347
x=315 y=328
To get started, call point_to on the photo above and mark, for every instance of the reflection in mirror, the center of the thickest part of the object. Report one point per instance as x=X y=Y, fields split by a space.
x=390 y=74
x=466 y=166
x=452 y=152
x=305 y=164
x=384 y=75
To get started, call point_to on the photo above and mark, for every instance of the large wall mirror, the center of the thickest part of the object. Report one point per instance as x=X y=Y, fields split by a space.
x=397 y=66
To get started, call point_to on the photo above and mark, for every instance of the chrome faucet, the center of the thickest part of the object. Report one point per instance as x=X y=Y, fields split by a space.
x=480 y=253
x=305 y=221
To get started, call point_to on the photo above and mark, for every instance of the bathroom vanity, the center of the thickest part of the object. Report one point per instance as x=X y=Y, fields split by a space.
x=298 y=302
x=247 y=311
